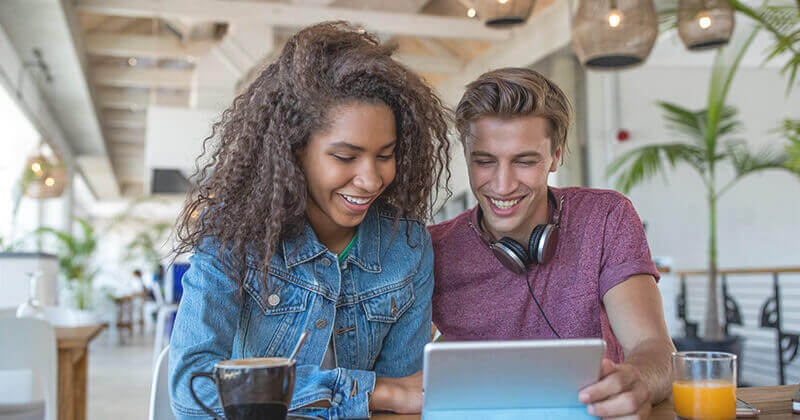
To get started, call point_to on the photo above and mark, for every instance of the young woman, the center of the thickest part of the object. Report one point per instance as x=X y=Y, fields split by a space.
x=309 y=217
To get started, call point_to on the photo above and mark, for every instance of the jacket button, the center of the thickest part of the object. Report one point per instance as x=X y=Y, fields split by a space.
x=326 y=262
x=321 y=323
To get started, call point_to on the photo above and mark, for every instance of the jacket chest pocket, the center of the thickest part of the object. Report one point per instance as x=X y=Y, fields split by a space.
x=383 y=308
x=276 y=307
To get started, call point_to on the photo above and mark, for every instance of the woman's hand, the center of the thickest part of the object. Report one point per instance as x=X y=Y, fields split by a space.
x=400 y=395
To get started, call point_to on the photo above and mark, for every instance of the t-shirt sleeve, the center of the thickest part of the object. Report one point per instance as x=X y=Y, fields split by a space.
x=625 y=249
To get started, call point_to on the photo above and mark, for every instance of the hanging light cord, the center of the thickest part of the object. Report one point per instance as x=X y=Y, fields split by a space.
x=528 y=283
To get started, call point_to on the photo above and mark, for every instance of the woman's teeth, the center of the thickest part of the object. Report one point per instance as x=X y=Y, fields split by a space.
x=354 y=200
x=504 y=204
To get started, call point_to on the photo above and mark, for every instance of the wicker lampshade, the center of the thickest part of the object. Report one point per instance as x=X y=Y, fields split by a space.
x=47 y=179
x=611 y=35
x=705 y=24
x=503 y=12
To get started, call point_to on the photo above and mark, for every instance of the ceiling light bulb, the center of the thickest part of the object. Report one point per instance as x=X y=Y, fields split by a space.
x=502 y=1
x=132 y=61
x=49 y=182
x=614 y=18
x=471 y=12
x=36 y=167
x=704 y=20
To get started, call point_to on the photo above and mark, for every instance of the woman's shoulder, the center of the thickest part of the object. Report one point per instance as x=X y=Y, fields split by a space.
x=406 y=235
x=389 y=217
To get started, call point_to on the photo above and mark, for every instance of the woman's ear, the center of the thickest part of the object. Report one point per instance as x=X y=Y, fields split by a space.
x=299 y=153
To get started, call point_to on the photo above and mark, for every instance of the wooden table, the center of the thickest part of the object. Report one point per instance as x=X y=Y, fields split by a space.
x=73 y=353
x=775 y=403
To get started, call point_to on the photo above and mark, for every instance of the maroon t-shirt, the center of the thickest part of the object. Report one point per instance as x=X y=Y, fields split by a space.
x=601 y=243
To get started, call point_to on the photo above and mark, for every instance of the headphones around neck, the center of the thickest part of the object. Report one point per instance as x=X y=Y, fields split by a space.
x=541 y=245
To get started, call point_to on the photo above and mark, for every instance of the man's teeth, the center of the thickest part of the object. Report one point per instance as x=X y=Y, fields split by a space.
x=504 y=204
x=355 y=200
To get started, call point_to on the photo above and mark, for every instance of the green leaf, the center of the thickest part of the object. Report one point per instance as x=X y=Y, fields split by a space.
x=643 y=163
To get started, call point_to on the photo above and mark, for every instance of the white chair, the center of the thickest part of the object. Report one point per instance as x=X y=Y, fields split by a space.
x=159 y=391
x=28 y=362
x=164 y=312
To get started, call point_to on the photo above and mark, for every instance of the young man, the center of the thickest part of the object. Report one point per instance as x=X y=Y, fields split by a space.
x=590 y=274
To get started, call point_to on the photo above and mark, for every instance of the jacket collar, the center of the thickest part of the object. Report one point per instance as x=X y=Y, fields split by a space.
x=306 y=246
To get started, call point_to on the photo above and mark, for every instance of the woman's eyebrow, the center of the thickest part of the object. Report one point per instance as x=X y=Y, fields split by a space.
x=359 y=148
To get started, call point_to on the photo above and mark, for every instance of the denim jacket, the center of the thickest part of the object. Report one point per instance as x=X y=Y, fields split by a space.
x=376 y=305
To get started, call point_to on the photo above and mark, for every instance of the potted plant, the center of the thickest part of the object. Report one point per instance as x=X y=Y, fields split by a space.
x=74 y=260
x=709 y=145
x=145 y=245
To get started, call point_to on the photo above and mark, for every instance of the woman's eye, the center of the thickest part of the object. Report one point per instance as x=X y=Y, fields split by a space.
x=386 y=157
x=344 y=158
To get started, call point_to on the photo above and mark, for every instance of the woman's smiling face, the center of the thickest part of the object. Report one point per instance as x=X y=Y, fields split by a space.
x=349 y=164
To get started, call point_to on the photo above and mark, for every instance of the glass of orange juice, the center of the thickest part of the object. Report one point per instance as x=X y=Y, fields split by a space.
x=704 y=385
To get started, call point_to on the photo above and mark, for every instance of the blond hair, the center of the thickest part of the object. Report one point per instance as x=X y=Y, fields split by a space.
x=515 y=92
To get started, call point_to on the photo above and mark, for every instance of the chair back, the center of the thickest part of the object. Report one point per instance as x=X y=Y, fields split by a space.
x=159 y=391
x=157 y=293
x=30 y=344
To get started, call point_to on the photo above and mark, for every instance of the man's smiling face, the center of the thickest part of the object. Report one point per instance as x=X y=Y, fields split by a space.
x=509 y=161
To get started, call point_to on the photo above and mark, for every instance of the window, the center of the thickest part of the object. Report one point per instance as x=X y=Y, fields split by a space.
x=18 y=137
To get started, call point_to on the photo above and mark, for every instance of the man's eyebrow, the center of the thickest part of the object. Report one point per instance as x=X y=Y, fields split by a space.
x=481 y=154
x=529 y=153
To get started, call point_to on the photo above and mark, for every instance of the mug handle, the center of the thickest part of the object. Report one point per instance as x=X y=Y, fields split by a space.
x=196 y=375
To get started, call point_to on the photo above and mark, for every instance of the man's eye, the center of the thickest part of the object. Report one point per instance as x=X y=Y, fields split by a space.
x=483 y=162
x=344 y=158
x=527 y=163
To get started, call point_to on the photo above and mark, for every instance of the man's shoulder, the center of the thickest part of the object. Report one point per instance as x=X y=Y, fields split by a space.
x=447 y=230
x=586 y=198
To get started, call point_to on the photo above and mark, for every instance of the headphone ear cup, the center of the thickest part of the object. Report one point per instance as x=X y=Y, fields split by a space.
x=535 y=241
x=517 y=249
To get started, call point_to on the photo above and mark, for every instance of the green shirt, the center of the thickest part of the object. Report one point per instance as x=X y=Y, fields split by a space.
x=346 y=252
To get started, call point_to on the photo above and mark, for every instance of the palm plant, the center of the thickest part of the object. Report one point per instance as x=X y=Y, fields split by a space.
x=709 y=132
x=145 y=245
x=74 y=259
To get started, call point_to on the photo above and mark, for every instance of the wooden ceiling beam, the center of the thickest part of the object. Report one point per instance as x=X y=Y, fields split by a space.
x=153 y=46
x=119 y=99
x=142 y=77
x=278 y=14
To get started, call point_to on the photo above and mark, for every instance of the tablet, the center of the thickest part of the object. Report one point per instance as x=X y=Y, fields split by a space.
x=508 y=375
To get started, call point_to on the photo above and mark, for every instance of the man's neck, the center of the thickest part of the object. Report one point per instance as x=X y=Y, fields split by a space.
x=522 y=235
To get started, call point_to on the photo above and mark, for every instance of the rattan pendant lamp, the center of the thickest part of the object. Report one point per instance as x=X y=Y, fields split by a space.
x=43 y=178
x=614 y=34
x=499 y=13
x=705 y=24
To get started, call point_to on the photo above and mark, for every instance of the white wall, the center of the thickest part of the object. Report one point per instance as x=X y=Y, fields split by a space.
x=757 y=221
x=175 y=137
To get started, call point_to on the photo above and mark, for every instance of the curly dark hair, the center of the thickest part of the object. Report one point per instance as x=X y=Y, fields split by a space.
x=251 y=190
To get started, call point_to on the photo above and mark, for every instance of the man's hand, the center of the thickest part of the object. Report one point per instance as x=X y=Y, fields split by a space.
x=400 y=395
x=619 y=394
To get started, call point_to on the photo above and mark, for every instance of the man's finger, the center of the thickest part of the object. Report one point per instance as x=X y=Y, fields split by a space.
x=586 y=395
x=608 y=368
x=613 y=384
x=643 y=413
x=625 y=403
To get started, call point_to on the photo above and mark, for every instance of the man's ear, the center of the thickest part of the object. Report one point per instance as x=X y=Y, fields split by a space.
x=557 y=154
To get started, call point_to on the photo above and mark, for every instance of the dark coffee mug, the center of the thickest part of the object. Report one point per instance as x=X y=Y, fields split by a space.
x=259 y=388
